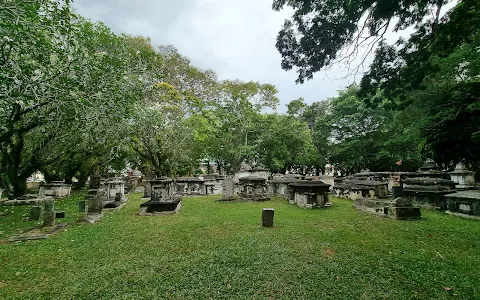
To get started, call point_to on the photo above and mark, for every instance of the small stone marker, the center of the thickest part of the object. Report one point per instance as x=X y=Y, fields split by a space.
x=35 y=213
x=267 y=217
x=59 y=214
x=49 y=213
x=95 y=202
x=82 y=206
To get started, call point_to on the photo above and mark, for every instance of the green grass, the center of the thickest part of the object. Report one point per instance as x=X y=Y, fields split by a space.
x=15 y=218
x=214 y=250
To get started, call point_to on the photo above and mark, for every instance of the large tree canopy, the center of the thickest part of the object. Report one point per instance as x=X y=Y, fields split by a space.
x=320 y=29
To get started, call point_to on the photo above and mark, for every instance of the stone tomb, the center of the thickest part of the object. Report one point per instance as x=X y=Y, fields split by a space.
x=280 y=187
x=400 y=208
x=253 y=188
x=428 y=191
x=360 y=189
x=190 y=186
x=56 y=189
x=464 y=178
x=465 y=203
x=114 y=186
x=309 y=194
x=163 y=199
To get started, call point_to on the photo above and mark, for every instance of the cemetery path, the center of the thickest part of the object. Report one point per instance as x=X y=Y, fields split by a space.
x=219 y=251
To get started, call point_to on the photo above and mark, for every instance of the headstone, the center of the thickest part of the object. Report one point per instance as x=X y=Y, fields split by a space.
x=49 y=213
x=95 y=202
x=60 y=214
x=35 y=213
x=118 y=197
x=227 y=187
x=82 y=206
x=267 y=217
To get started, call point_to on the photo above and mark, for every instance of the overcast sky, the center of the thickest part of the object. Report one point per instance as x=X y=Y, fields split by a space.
x=236 y=39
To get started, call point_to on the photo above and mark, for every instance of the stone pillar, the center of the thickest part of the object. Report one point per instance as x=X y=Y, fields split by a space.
x=95 y=203
x=35 y=213
x=94 y=182
x=49 y=213
x=267 y=217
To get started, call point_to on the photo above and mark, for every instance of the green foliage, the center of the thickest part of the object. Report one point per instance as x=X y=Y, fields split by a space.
x=319 y=30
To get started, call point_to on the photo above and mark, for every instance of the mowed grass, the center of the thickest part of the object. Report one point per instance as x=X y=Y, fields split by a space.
x=214 y=250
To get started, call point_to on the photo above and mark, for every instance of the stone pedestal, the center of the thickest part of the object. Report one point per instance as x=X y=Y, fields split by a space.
x=267 y=217
x=49 y=213
x=404 y=209
x=35 y=213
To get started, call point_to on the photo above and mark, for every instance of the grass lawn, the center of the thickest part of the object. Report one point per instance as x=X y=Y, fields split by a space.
x=214 y=250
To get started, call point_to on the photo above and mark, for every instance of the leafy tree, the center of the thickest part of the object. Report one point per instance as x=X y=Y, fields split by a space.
x=321 y=31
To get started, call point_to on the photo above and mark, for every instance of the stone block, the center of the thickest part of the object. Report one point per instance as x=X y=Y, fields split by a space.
x=267 y=217
x=407 y=213
x=35 y=213
x=48 y=218
x=49 y=204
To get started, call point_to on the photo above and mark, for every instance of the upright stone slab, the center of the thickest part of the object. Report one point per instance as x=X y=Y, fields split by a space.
x=267 y=217
x=95 y=202
x=49 y=213
x=82 y=206
x=35 y=213
x=228 y=186
x=94 y=182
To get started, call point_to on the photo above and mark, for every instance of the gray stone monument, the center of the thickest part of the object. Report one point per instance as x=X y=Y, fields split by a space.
x=228 y=189
x=49 y=213
x=267 y=217
x=35 y=213
x=95 y=202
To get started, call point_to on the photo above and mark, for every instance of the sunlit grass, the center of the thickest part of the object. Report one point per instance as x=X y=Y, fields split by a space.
x=218 y=250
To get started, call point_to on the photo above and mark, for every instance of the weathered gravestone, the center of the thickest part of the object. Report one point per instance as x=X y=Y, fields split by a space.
x=228 y=189
x=35 y=213
x=95 y=202
x=94 y=182
x=267 y=217
x=49 y=213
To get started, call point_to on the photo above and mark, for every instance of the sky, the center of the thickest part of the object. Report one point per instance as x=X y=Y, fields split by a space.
x=236 y=39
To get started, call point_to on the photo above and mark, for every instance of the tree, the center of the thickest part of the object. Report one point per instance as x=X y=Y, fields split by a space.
x=60 y=76
x=320 y=30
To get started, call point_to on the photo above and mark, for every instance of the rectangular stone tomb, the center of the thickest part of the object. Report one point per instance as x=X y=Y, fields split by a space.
x=360 y=189
x=190 y=186
x=253 y=189
x=464 y=202
x=400 y=208
x=55 y=189
x=309 y=194
x=428 y=192
x=280 y=187
x=163 y=198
